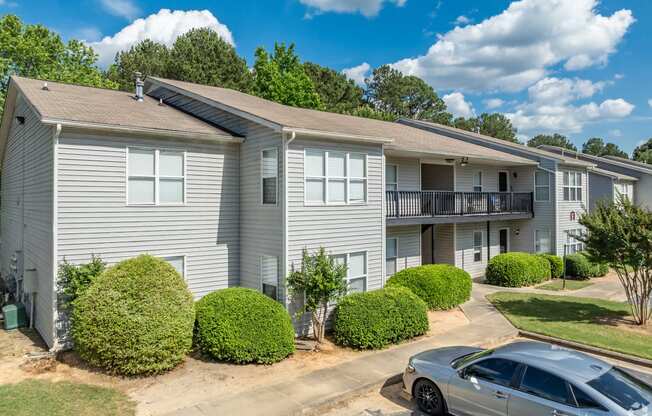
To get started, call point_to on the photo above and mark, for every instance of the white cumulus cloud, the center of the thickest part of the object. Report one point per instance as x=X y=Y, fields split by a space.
x=163 y=27
x=122 y=8
x=457 y=105
x=462 y=20
x=358 y=73
x=649 y=102
x=516 y=48
x=367 y=8
x=492 y=103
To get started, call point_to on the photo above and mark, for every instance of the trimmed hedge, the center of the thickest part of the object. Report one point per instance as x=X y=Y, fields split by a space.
x=580 y=266
x=556 y=265
x=517 y=269
x=375 y=319
x=135 y=318
x=243 y=326
x=441 y=286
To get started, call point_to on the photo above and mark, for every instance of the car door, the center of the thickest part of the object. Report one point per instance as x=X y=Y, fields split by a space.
x=540 y=393
x=482 y=388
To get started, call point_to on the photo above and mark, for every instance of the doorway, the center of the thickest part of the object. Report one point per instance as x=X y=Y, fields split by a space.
x=503 y=240
x=503 y=181
x=427 y=244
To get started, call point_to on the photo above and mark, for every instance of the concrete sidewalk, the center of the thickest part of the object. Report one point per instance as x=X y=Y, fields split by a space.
x=309 y=393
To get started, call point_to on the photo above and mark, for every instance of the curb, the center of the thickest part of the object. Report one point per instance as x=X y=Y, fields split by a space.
x=587 y=348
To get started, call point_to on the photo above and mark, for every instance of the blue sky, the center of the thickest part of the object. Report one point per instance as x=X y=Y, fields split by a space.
x=578 y=67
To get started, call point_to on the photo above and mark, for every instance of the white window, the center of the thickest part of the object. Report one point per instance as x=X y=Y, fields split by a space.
x=155 y=176
x=572 y=186
x=391 y=177
x=356 y=264
x=178 y=262
x=623 y=190
x=391 y=256
x=542 y=185
x=269 y=176
x=542 y=241
x=269 y=276
x=477 y=182
x=335 y=177
x=477 y=246
x=573 y=245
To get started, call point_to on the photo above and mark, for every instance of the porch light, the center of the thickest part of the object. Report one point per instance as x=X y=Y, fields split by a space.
x=464 y=161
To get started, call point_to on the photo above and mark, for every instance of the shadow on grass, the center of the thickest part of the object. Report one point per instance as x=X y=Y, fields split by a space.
x=561 y=310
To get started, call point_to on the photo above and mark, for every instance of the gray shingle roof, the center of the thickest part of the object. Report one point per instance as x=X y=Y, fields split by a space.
x=614 y=175
x=402 y=137
x=97 y=106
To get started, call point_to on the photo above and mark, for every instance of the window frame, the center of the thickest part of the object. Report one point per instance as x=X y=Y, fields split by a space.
x=387 y=275
x=536 y=241
x=567 y=184
x=347 y=257
x=571 y=398
x=479 y=176
x=475 y=247
x=537 y=186
x=515 y=376
x=326 y=178
x=263 y=177
x=572 y=242
x=183 y=258
x=395 y=166
x=278 y=275
x=157 y=176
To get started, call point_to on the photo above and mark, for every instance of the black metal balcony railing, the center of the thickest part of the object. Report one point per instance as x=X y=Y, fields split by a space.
x=406 y=204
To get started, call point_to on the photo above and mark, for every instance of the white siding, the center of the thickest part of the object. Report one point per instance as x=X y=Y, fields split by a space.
x=94 y=218
x=464 y=244
x=409 y=173
x=409 y=245
x=564 y=209
x=26 y=220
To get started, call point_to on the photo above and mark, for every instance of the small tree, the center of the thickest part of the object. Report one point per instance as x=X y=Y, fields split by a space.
x=620 y=234
x=74 y=279
x=320 y=281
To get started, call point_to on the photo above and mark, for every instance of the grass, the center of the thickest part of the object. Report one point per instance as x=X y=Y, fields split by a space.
x=38 y=397
x=584 y=320
x=558 y=284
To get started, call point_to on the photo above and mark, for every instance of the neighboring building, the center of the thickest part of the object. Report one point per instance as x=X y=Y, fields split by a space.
x=615 y=176
x=230 y=188
x=561 y=186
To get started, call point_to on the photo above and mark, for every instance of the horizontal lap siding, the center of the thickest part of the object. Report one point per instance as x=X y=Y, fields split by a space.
x=564 y=208
x=409 y=245
x=409 y=173
x=26 y=221
x=94 y=218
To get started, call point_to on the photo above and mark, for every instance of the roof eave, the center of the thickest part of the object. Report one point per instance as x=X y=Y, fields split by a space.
x=336 y=135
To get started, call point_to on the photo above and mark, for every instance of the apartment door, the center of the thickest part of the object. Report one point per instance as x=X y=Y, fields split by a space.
x=427 y=245
x=503 y=240
x=503 y=181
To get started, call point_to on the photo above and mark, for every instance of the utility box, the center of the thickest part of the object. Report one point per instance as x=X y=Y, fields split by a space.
x=14 y=316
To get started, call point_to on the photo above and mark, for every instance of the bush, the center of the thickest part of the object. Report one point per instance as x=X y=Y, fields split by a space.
x=379 y=318
x=243 y=326
x=556 y=265
x=517 y=269
x=74 y=279
x=580 y=266
x=441 y=286
x=135 y=318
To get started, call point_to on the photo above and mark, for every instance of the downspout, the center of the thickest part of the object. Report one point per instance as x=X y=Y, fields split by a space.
x=488 y=242
x=286 y=143
x=55 y=225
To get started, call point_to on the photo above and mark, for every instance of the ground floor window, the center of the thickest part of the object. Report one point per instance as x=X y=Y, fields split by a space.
x=573 y=245
x=391 y=256
x=269 y=276
x=356 y=270
x=178 y=262
x=542 y=241
x=477 y=246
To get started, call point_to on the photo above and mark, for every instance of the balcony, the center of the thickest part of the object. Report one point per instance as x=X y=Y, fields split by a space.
x=435 y=207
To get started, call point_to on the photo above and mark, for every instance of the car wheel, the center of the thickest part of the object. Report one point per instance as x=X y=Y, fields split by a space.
x=429 y=398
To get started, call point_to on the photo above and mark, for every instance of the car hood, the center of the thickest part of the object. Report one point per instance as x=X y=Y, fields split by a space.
x=444 y=356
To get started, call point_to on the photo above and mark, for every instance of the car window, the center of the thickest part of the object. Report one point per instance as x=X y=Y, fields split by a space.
x=465 y=359
x=545 y=385
x=583 y=400
x=494 y=370
x=623 y=389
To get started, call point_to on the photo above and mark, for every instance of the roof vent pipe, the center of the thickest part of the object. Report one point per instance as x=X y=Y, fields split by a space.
x=139 y=86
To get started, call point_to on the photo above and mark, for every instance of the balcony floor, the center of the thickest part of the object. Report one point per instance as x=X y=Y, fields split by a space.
x=459 y=219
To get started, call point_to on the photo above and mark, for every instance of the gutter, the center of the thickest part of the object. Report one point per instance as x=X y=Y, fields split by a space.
x=55 y=231
x=335 y=135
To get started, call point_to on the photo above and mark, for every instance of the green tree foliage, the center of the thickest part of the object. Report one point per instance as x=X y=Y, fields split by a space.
x=146 y=57
x=389 y=91
x=282 y=78
x=338 y=94
x=35 y=51
x=495 y=125
x=368 y=111
x=556 y=139
x=596 y=146
x=620 y=234
x=320 y=281
x=74 y=279
x=643 y=153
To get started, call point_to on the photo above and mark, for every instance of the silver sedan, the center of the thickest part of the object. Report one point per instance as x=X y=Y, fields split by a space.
x=522 y=379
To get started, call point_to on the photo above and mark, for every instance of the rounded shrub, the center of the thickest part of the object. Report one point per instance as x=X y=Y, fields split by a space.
x=243 y=326
x=556 y=265
x=135 y=318
x=517 y=269
x=371 y=320
x=441 y=286
x=579 y=266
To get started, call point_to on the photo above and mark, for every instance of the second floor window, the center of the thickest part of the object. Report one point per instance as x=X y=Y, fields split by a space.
x=391 y=178
x=335 y=177
x=269 y=176
x=572 y=186
x=477 y=182
x=542 y=185
x=155 y=177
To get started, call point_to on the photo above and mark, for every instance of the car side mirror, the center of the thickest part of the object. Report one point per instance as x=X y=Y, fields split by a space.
x=463 y=373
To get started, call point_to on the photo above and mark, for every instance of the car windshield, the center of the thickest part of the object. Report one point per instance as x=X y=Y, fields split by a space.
x=623 y=389
x=465 y=359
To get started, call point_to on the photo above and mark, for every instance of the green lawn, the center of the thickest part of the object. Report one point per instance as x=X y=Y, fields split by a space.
x=558 y=284
x=584 y=320
x=36 y=397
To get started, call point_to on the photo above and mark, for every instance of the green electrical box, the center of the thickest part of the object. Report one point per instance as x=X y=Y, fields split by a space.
x=15 y=316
